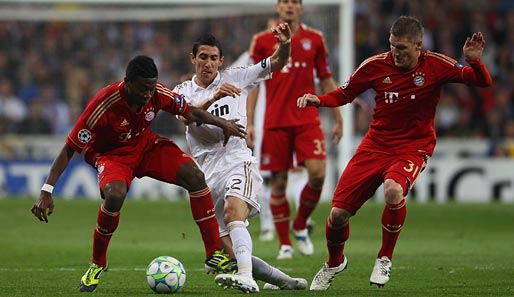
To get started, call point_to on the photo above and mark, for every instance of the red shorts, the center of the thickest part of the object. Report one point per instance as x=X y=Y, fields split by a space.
x=158 y=158
x=367 y=170
x=278 y=146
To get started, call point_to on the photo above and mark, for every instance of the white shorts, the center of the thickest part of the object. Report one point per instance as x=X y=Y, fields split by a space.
x=241 y=180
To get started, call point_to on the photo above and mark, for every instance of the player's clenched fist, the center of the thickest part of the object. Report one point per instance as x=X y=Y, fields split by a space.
x=308 y=100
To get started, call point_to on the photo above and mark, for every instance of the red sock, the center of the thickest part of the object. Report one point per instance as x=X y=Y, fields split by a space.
x=393 y=218
x=336 y=237
x=308 y=201
x=106 y=224
x=202 y=207
x=281 y=213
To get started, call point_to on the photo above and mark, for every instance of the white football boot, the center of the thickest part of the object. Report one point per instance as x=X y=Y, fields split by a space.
x=303 y=242
x=235 y=281
x=323 y=279
x=285 y=252
x=381 y=272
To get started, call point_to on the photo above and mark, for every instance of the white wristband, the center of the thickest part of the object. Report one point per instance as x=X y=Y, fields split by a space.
x=212 y=99
x=287 y=41
x=47 y=188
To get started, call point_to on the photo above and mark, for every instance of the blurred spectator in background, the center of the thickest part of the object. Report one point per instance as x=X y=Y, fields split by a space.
x=79 y=57
x=12 y=109
x=35 y=123
x=55 y=110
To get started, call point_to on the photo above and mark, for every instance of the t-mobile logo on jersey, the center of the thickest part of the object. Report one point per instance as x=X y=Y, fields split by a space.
x=391 y=97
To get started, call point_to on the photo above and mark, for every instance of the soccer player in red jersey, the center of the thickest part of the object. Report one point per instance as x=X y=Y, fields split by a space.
x=114 y=134
x=287 y=129
x=400 y=139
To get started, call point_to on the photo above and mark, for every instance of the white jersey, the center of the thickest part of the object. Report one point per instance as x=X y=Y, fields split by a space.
x=226 y=167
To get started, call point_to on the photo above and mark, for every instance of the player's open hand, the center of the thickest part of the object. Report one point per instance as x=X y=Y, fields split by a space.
x=474 y=46
x=282 y=32
x=232 y=128
x=307 y=100
x=43 y=207
x=226 y=89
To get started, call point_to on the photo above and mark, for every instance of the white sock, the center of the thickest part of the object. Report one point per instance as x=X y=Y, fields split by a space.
x=242 y=246
x=267 y=273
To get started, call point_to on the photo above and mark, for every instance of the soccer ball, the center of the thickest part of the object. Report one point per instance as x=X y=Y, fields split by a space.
x=165 y=274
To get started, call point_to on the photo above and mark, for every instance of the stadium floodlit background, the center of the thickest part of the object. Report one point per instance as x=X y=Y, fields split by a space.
x=55 y=55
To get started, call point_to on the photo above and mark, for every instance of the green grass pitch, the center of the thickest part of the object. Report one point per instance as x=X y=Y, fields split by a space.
x=444 y=250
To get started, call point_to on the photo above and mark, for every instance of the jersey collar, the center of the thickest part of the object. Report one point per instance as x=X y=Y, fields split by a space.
x=215 y=83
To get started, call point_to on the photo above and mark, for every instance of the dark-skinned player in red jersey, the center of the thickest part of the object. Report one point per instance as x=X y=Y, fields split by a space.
x=113 y=133
x=401 y=137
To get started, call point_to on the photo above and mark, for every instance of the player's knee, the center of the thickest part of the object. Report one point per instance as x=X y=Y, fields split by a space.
x=316 y=182
x=279 y=182
x=229 y=215
x=393 y=191
x=114 y=195
x=197 y=176
x=235 y=210
x=191 y=177
x=339 y=216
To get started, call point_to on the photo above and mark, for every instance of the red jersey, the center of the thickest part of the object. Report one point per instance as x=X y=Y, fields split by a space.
x=309 y=57
x=108 y=124
x=403 y=119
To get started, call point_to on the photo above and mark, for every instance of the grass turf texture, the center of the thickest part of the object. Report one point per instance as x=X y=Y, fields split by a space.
x=444 y=250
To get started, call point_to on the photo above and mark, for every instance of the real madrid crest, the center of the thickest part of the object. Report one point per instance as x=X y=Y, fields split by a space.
x=419 y=78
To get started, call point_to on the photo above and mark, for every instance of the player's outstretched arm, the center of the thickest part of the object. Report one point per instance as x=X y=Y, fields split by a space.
x=477 y=75
x=44 y=206
x=281 y=55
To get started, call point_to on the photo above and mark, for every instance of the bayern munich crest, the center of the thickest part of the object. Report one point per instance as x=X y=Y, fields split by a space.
x=419 y=79
x=149 y=116
x=84 y=136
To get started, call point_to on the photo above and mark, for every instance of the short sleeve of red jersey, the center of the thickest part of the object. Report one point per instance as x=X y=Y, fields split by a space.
x=359 y=80
x=321 y=60
x=84 y=129
x=170 y=101
x=79 y=137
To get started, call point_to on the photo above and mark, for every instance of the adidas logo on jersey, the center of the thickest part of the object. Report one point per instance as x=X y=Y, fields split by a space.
x=387 y=80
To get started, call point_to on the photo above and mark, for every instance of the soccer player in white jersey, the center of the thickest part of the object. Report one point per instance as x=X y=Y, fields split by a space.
x=230 y=169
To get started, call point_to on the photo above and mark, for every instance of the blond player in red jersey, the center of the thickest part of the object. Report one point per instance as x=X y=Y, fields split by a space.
x=114 y=134
x=288 y=130
x=400 y=139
